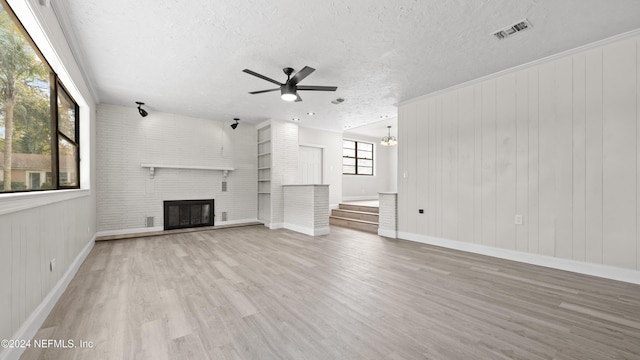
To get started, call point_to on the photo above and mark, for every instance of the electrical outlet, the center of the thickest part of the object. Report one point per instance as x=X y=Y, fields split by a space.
x=52 y=264
x=518 y=220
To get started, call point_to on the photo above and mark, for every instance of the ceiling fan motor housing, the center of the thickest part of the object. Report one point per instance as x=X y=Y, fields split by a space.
x=287 y=88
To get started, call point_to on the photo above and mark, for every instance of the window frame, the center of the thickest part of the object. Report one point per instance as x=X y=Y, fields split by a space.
x=55 y=83
x=75 y=143
x=358 y=158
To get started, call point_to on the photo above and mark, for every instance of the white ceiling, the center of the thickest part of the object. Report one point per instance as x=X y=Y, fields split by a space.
x=375 y=130
x=186 y=57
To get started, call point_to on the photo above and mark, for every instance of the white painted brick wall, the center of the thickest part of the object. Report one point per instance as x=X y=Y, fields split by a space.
x=388 y=208
x=284 y=164
x=321 y=207
x=299 y=209
x=306 y=207
x=125 y=193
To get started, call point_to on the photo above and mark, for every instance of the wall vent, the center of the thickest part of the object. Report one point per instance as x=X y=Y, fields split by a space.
x=149 y=221
x=511 y=30
x=224 y=216
x=224 y=186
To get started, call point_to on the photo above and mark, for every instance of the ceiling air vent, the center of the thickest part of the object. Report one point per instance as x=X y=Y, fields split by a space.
x=511 y=30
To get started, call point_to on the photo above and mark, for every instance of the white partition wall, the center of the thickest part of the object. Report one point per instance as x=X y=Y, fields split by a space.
x=556 y=142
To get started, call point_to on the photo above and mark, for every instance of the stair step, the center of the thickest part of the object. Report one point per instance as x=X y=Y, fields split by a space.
x=357 y=215
x=363 y=225
x=364 y=208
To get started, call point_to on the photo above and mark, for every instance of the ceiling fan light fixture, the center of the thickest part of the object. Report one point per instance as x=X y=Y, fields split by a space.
x=288 y=92
x=389 y=140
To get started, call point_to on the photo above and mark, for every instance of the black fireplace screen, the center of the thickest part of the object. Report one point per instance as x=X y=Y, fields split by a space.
x=180 y=214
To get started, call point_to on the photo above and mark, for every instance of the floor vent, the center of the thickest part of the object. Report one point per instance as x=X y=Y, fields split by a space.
x=511 y=30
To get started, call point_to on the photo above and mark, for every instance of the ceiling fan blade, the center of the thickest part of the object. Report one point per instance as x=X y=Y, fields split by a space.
x=263 y=91
x=317 y=88
x=250 y=72
x=298 y=98
x=306 y=71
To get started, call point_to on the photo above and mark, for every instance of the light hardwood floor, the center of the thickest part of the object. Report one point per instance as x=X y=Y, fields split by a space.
x=254 y=293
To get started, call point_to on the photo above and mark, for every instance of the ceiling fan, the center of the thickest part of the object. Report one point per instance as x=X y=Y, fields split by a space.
x=289 y=90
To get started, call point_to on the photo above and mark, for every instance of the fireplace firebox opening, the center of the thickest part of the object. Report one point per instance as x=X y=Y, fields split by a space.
x=181 y=214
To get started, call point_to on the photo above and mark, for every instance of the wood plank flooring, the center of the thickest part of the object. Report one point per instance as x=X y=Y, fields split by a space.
x=254 y=293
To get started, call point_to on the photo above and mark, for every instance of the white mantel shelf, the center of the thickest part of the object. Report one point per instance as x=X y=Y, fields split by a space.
x=152 y=168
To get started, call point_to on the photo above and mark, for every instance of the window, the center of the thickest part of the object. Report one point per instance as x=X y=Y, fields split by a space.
x=357 y=158
x=39 y=142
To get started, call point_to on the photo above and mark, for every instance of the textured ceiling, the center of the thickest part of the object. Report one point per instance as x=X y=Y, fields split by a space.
x=186 y=57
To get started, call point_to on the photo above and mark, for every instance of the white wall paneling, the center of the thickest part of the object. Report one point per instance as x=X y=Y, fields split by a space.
x=638 y=152
x=593 y=153
x=402 y=169
x=432 y=175
x=466 y=135
x=579 y=157
x=449 y=166
x=422 y=171
x=522 y=159
x=477 y=163
x=489 y=159
x=557 y=143
x=533 y=218
x=412 y=158
x=506 y=155
x=619 y=135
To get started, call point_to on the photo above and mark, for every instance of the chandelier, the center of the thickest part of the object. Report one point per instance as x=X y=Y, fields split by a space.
x=388 y=140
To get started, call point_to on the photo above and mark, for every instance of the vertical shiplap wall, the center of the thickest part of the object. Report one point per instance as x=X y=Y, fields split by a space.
x=557 y=142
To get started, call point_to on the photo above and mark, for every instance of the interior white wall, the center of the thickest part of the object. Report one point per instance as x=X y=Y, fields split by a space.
x=393 y=169
x=38 y=227
x=127 y=194
x=361 y=187
x=331 y=144
x=556 y=142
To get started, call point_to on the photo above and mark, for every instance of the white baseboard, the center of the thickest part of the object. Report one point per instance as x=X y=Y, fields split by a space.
x=33 y=323
x=129 y=231
x=307 y=230
x=235 y=222
x=599 y=270
x=334 y=206
x=388 y=233
x=274 y=226
x=161 y=228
